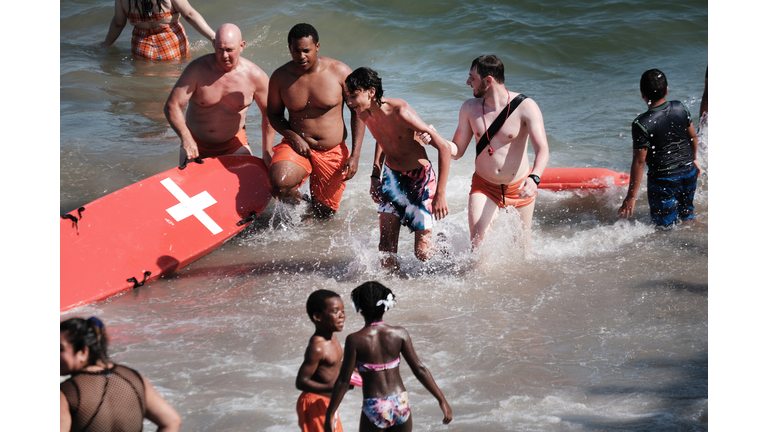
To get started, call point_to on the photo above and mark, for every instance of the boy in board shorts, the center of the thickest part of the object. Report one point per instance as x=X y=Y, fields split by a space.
x=322 y=361
x=664 y=137
x=403 y=182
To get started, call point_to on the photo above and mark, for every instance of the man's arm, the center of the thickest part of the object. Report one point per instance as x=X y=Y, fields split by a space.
x=635 y=177
x=535 y=122
x=116 y=26
x=463 y=134
x=267 y=131
x=312 y=358
x=440 y=201
x=174 y=108
x=693 y=140
x=355 y=123
x=378 y=163
x=276 y=115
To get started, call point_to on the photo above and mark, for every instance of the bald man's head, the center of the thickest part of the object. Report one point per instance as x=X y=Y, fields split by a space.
x=229 y=45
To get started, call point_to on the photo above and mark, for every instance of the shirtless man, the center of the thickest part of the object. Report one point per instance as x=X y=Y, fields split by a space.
x=219 y=88
x=312 y=89
x=407 y=193
x=502 y=176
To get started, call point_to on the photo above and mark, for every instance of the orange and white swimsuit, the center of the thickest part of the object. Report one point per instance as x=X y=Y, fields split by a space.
x=161 y=43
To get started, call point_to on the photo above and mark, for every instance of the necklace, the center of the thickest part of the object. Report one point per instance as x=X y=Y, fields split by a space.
x=490 y=150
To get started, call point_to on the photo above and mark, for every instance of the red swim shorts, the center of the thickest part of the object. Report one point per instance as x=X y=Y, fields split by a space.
x=311 y=409
x=326 y=181
x=208 y=149
x=503 y=195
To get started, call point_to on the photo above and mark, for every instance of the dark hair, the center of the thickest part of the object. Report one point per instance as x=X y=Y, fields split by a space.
x=81 y=333
x=364 y=78
x=316 y=301
x=489 y=65
x=653 y=84
x=144 y=7
x=367 y=295
x=301 y=31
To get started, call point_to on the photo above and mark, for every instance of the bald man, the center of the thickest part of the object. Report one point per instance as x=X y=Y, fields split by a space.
x=219 y=88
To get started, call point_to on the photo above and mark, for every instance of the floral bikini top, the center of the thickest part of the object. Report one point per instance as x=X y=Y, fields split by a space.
x=372 y=367
x=137 y=17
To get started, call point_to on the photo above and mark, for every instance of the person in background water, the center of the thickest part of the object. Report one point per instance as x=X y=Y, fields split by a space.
x=664 y=137
x=219 y=88
x=375 y=351
x=704 y=108
x=312 y=89
x=157 y=32
x=403 y=182
x=322 y=361
x=503 y=177
x=102 y=396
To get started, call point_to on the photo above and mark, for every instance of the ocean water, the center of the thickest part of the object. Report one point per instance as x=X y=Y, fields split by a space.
x=603 y=326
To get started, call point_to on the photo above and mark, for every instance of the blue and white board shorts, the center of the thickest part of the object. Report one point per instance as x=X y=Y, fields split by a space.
x=408 y=195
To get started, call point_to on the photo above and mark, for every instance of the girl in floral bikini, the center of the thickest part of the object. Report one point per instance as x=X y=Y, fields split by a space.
x=375 y=351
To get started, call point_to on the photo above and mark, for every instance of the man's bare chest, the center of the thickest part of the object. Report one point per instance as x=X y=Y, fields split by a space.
x=318 y=93
x=229 y=94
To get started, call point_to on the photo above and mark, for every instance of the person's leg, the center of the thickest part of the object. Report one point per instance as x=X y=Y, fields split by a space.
x=526 y=217
x=284 y=180
x=422 y=245
x=244 y=150
x=482 y=213
x=389 y=235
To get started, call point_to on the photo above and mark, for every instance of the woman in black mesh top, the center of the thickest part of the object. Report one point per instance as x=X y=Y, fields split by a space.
x=102 y=395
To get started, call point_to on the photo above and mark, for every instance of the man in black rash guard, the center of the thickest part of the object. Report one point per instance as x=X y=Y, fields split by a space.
x=664 y=137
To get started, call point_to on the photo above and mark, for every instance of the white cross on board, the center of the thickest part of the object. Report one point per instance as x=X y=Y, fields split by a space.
x=194 y=206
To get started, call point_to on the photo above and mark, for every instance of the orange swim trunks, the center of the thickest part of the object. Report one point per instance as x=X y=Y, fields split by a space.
x=208 y=149
x=326 y=181
x=162 y=43
x=311 y=409
x=503 y=195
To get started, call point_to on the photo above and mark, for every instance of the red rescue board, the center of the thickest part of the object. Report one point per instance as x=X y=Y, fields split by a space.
x=157 y=225
x=557 y=179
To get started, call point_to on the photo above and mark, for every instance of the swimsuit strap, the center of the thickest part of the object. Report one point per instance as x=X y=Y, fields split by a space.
x=482 y=106
x=377 y=323
x=372 y=367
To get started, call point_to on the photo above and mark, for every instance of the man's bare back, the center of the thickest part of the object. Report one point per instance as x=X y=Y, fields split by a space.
x=218 y=89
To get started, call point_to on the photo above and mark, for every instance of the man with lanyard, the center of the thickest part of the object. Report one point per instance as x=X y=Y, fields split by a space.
x=503 y=177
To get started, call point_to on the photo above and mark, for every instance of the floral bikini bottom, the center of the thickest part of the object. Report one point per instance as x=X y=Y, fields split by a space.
x=388 y=411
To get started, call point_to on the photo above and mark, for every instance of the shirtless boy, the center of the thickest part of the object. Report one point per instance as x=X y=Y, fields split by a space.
x=402 y=182
x=322 y=360
x=313 y=145
x=503 y=177
x=219 y=88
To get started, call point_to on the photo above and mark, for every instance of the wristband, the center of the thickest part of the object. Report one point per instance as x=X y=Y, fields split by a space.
x=535 y=178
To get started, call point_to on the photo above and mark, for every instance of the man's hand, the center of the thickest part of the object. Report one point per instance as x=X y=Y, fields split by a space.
x=300 y=147
x=627 y=208
x=350 y=169
x=376 y=190
x=439 y=206
x=528 y=188
x=424 y=137
x=190 y=147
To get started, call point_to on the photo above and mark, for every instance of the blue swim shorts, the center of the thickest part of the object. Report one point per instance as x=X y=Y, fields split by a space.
x=670 y=194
